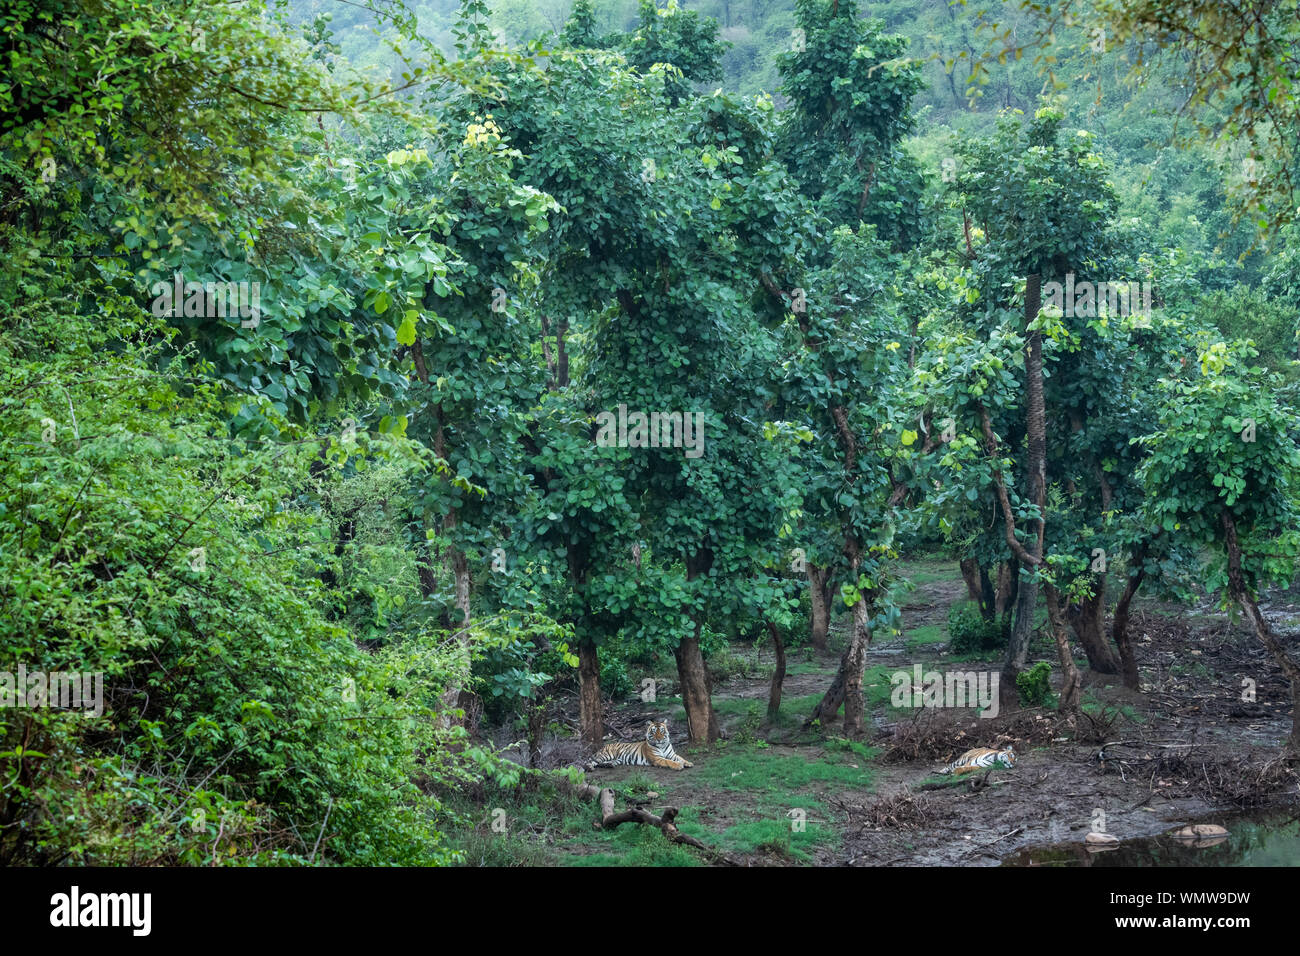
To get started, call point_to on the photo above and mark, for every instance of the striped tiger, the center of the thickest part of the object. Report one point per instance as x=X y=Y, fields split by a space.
x=981 y=758
x=655 y=751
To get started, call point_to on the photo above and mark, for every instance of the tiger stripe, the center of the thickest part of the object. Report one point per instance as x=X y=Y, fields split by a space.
x=655 y=751
x=981 y=758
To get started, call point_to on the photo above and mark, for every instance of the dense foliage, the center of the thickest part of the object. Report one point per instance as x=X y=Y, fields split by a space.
x=370 y=377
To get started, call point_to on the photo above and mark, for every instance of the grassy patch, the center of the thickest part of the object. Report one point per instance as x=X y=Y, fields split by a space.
x=761 y=770
x=779 y=836
x=926 y=634
x=928 y=572
x=633 y=845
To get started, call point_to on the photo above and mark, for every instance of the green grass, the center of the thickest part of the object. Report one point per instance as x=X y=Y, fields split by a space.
x=811 y=666
x=761 y=771
x=632 y=845
x=780 y=836
x=877 y=687
x=926 y=634
x=928 y=572
x=1097 y=708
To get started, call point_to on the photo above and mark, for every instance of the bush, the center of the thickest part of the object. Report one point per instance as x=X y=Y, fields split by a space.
x=1035 y=685
x=240 y=723
x=970 y=633
x=614 y=678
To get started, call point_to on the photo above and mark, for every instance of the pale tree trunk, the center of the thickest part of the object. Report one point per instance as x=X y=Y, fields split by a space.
x=778 y=674
x=1069 y=701
x=821 y=611
x=697 y=690
x=855 y=663
x=1087 y=619
x=1264 y=631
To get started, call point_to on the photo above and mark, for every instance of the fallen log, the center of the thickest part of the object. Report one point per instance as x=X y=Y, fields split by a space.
x=610 y=820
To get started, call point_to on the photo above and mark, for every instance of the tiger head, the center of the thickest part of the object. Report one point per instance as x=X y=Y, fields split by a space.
x=1007 y=756
x=656 y=732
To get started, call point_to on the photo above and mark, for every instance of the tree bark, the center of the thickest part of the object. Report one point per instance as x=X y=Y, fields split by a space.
x=1087 y=619
x=1242 y=594
x=591 y=724
x=1008 y=581
x=821 y=610
x=697 y=690
x=778 y=674
x=988 y=595
x=1119 y=625
x=970 y=573
x=1036 y=491
x=693 y=672
x=609 y=820
x=855 y=662
x=846 y=688
x=1022 y=630
x=1069 y=700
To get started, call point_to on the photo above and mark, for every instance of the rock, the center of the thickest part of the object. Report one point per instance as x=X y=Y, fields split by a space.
x=1101 y=839
x=1201 y=832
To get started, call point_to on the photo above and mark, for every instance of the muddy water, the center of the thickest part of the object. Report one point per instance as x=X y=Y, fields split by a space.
x=1260 y=840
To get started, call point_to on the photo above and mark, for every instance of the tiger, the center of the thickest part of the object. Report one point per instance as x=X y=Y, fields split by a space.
x=981 y=758
x=655 y=751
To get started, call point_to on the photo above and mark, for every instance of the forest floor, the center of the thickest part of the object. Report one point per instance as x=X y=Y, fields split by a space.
x=1193 y=751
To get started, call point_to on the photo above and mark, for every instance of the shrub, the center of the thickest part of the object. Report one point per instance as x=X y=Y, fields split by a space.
x=1035 y=685
x=970 y=633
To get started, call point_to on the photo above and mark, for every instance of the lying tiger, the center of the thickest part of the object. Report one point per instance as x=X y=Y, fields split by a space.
x=981 y=758
x=655 y=751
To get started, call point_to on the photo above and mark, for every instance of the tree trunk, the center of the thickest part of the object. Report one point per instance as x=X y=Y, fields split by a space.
x=821 y=609
x=855 y=662
x=1119 y=626
x=692 y=671
x=1022 y=630
x=1088 y=621
x=697 y=690
x=970 y=573
x=1008 y=581
x=988 y=596
x=1036 y=489
x=1069 y=701
x=591 y=724
x=778 y=675
x=846 y=688
x=536 y=731
x=1243 y=596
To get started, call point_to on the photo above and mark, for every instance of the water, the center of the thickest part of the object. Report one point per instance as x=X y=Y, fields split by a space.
x=1253 y=840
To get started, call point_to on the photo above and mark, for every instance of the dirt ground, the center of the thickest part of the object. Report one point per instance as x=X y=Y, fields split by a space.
x=1189 y=748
